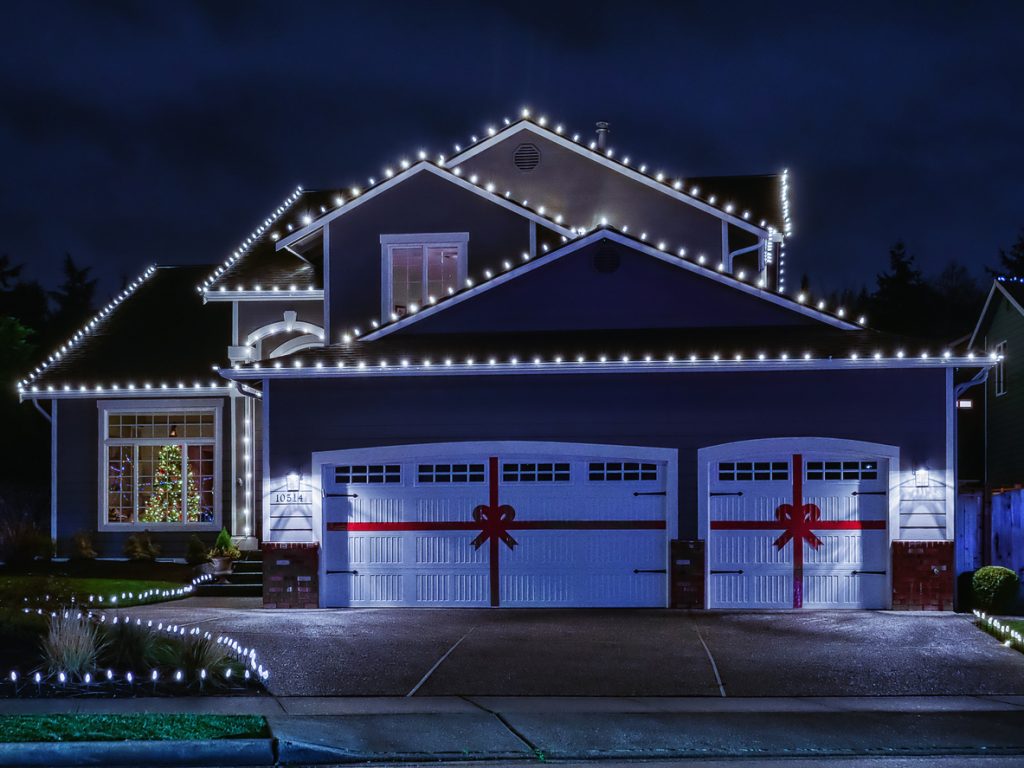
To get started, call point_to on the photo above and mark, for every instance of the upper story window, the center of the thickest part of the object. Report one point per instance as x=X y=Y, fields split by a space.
x=419 y=269
x=1000 y=371
x=159 y=465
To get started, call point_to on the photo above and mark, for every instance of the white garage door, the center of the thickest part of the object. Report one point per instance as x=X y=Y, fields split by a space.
x=795 y=530
x=495 y=524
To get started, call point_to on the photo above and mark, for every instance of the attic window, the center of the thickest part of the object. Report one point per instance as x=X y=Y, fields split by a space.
x=419 y=270
x=526 y=157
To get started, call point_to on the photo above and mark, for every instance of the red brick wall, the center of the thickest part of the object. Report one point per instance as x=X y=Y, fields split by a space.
x=290 y=575
x=922 y=575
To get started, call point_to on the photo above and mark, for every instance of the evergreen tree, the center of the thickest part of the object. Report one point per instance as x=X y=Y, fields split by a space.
x=1011 y=263
x=164 y=504
x=903 y=301
x=959 y=301
x=74 y=298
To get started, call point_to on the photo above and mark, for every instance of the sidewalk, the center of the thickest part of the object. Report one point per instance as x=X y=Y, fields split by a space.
x=312 y=730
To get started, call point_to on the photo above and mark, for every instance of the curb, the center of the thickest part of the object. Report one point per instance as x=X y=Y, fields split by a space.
x=185 y=753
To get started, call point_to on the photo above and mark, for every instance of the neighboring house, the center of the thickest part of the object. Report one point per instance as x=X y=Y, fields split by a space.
x=531 y=373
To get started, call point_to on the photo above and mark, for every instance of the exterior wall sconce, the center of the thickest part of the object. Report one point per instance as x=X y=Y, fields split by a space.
x=292 y=481
x=921 y=479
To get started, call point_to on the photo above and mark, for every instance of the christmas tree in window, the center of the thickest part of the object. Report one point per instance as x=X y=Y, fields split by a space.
x=164 y=504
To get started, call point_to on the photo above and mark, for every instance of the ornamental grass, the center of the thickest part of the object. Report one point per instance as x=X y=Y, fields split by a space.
x=72 y=643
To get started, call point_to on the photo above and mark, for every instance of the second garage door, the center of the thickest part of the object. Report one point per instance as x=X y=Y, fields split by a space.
x=499 y=524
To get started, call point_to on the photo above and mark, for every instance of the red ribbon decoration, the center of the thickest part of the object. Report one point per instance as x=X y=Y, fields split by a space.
x=796 y=521
x=494 y=520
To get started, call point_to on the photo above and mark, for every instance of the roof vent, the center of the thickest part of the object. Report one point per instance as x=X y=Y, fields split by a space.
x=603 y=129
x=526 y=157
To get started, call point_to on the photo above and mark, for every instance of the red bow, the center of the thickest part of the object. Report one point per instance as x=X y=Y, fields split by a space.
x=798 y=522
x=494 y=521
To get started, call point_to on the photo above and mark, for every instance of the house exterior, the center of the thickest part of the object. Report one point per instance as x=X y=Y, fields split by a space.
x=530 y=373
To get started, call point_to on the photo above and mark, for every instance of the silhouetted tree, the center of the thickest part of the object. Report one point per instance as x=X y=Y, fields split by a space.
x=74 y=298
x=901 y=302
x=958 y=301
x=1011 y=262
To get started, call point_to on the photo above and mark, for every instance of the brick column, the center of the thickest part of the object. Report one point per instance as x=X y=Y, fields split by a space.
x=687 y=573
x=290 y=575
x=922 y=575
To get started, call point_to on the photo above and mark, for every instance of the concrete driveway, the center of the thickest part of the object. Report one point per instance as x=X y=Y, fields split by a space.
x=385 y=652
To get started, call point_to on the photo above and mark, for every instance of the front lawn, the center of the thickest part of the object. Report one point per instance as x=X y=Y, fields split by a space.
x=20 y=728
x=51 y=591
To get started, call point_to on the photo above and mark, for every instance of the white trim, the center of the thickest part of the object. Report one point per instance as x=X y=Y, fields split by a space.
x=442 y=173
x=788 y=445
x=288 y=325
x=457 y=240
x=950 y=473
x=297 y=344
x=569 y=366
x=129 y=390
x=999 y=384
x=504 y=448
x=265 y=529
x=104 y=407
x=625 y=170
x=326 y=243
x=984 y=309
x=608 y=234
x=53 y=470
x=269 y=294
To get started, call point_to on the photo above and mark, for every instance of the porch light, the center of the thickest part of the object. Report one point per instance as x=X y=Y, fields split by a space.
x=293 y=481
x=921 y=478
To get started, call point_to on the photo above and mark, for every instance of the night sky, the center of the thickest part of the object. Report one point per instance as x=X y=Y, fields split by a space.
x=138 y=133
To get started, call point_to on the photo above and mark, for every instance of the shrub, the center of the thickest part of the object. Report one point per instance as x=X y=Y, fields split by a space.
x=224 y=547
x=81 y=546
x=71 y=644
x=994 y=588
x=196 y=552
x=195 y=652
x=130 y=646
x=140 y=546
x=21 y=540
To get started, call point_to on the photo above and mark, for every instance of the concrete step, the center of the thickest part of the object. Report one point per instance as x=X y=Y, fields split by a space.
x=248 y=566
x=245 y=578
x=229 y=590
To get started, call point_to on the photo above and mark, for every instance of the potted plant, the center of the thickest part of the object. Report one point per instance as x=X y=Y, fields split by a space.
x=223 y=553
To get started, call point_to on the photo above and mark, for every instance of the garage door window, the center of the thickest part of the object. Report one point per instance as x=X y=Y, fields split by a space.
x=535 y=473
x=368 y=474
x=450 y=473
x=842 y=470
x=739 y=471
x=601 y=471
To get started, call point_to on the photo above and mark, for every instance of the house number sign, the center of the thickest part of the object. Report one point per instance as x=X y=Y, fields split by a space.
x=291 y=497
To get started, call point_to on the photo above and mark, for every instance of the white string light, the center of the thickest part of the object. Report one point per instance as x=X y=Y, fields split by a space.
x=1011 y=637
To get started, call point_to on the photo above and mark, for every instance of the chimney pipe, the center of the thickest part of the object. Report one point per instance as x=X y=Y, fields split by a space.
x=602 y=135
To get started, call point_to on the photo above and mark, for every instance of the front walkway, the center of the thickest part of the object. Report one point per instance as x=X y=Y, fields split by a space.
x=624 y=653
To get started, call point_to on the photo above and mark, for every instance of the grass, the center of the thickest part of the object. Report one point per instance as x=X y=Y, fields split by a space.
x=22 y=728
x=14 y=590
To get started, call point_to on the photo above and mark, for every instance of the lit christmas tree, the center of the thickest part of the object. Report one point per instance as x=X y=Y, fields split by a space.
x=164 y=504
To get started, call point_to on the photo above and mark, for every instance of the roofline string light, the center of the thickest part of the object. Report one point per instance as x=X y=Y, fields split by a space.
x=565 y=364
x=87 y=329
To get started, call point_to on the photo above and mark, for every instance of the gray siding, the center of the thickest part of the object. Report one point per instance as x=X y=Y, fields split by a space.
x=687 y=412
x=78 y=459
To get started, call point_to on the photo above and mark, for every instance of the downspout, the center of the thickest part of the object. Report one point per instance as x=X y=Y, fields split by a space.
x=42 y=410
x=52 y=419
x=979 y=378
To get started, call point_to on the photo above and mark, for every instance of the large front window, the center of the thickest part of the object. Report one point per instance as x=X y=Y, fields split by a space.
x=419 y=270
x=159 y=466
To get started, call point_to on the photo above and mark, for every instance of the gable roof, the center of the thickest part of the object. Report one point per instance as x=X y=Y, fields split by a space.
x=678 y=189
x=609 y=233
x=1010 y=289
x=158 y=332
x=425 y=166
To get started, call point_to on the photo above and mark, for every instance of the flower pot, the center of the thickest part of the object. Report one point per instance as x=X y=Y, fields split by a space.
x=222 y=568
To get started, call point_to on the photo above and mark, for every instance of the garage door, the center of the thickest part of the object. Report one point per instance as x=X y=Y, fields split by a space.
x=797 y=530
x=499 y=524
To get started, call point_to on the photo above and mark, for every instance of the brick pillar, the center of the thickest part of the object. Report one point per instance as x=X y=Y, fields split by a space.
x=290 y=575
x=687 y=573
x=922 y=575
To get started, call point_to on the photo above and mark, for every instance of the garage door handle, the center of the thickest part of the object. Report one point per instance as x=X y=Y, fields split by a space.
x=739 y=571
x=341 y=495
x=648 y=493
x=869 y=493
x=352 y=572
x=726 y=493
x=873 y=573
x=649 y=570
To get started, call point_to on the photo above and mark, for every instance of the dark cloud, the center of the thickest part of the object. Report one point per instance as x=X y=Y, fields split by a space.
x=136 y=132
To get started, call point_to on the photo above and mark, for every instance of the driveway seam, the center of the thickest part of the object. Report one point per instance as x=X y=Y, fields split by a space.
x=711 y=658
x=437 y=664
x=508 y=726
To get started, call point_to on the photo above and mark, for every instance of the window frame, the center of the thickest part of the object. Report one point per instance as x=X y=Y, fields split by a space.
x=999 y=381
x=457 y=240
x=184 y=405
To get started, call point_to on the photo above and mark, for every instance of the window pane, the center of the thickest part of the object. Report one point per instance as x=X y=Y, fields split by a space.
x=160 y=484
x=200 y=483
x=442 y=270
x=120 y=483
x=406 y=279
